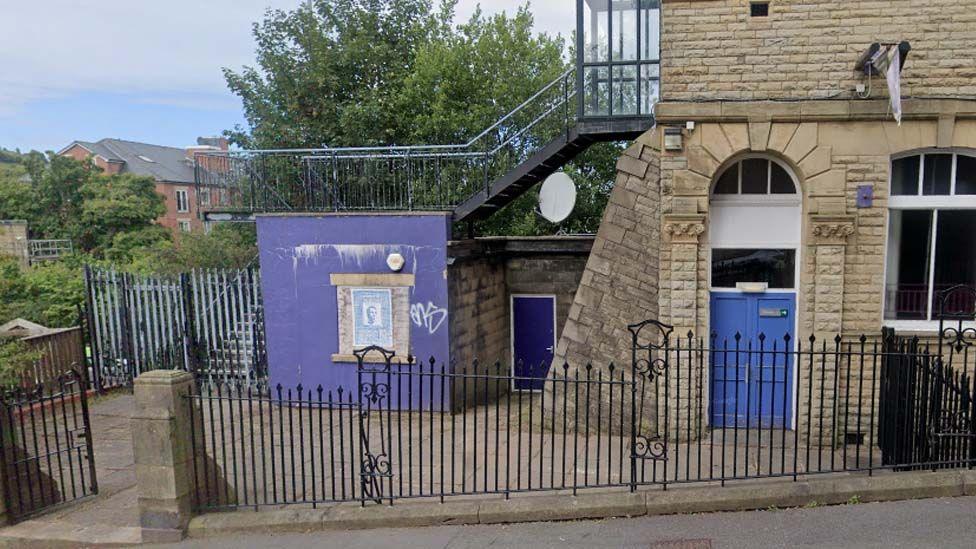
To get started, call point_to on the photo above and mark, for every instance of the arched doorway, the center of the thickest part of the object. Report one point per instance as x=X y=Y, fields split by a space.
x=754 y=248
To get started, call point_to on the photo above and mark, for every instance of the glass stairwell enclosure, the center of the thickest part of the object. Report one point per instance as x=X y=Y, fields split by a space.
x=618 y=53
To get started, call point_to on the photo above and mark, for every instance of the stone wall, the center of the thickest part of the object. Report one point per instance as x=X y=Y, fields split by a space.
x=547 y=266
x=478 y=306
x=483 y=275
x=619 y=285
x=806 y=49
x=486 y=272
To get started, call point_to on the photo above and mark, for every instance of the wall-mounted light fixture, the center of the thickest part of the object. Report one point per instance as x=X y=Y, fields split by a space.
x=673 y=139
x=874 y=60
x=395 y=262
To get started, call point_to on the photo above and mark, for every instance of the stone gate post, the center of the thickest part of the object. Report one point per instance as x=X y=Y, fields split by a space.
x=162 y=444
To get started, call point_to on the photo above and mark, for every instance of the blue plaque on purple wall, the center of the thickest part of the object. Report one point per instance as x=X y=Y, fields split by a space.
x=372 y=311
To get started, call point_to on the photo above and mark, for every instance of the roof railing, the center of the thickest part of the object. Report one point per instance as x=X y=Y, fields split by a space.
x=395 y=177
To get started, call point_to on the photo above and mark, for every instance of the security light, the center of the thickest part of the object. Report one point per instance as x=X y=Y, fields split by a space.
x=672 y=139
x=874 y=60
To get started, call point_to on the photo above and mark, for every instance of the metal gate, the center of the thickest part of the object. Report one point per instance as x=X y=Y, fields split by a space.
x=46 y=450
x=207 y=321
x=375 y=433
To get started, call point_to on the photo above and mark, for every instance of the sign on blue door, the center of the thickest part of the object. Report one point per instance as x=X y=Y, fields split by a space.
x=752 y=377
x=533 y=339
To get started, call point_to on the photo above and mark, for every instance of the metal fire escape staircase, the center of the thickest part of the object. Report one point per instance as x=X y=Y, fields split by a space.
x=472 y=180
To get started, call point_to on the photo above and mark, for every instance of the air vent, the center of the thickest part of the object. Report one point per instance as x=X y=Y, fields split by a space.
x=759 y=9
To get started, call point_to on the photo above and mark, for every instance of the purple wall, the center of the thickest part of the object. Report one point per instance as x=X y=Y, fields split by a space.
x=298 y=253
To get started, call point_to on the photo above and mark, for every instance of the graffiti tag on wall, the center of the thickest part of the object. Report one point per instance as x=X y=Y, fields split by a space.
x=428 y=316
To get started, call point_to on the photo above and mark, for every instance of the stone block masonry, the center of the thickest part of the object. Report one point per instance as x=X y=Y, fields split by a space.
x=162 y=443
x=482 y=277
x=619 y=285
x=806 y=49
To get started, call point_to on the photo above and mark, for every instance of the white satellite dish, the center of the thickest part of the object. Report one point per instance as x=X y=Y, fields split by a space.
x=557 y=197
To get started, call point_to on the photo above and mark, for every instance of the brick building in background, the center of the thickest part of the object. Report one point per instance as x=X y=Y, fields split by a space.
x=170 y=167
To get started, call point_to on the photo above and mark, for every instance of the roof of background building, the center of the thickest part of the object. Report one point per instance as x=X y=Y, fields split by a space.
x=157 y=161
x=19 y=327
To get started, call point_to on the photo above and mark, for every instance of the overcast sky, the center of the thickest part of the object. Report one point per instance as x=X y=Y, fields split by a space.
x=145 y=70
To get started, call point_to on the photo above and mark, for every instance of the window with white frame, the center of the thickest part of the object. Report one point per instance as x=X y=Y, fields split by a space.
x=184 y=225
x=931 y=220
x=182 y=201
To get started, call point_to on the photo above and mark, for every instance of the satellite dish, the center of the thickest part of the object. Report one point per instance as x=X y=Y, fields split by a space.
x=557 y=197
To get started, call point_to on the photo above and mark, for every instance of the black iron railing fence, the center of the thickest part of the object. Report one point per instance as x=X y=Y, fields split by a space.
x=45 y=445
x=685 y=410
x=926 y=407
x=411 y=430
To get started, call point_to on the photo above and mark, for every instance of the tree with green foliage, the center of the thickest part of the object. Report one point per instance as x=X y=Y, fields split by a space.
x=115 y=205
x=329 y=71
x=48 y=294
x=67 y=199
x=366 y=72
x=227 y=246
x=16 y=359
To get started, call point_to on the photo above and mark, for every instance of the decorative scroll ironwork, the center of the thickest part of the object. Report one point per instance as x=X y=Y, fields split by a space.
x=953 y=424
x=650 y=447
x=649 y=369
x=957 y=305
x=374 y=396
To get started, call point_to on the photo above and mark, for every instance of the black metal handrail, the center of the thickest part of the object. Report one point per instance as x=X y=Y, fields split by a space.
x=422 y=177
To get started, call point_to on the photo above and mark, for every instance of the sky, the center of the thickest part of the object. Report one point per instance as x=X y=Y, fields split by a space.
x=145 y=70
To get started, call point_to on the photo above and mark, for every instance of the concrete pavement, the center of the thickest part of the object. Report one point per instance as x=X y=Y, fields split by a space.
x=111 y=516
x=943 y=523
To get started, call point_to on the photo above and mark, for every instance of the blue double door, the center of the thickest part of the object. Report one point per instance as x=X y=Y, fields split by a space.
x=752 y=378
x=533 y=339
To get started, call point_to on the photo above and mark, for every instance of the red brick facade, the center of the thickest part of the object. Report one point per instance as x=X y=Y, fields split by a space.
x=175 y=215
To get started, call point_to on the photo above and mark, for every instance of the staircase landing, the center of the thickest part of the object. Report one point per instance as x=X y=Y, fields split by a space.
x=547 y=161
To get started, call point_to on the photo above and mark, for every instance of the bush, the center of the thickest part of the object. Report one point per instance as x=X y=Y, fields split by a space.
x=16 y=358
x=48 y=294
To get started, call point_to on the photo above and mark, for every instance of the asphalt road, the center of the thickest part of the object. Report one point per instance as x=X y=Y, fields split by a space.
x=940 y=523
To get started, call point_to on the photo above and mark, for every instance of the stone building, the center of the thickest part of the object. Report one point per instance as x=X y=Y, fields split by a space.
x=775 y=98
x=777 y=192
x=769 y=196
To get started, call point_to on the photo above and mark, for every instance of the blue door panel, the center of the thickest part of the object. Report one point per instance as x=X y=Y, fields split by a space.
x=729 y=368
x=533 y=339
x=751 y=377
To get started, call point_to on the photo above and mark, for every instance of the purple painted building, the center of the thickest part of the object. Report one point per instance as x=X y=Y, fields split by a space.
x=333 y=283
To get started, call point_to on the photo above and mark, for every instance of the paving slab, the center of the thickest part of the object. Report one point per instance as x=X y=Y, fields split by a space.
x=108 y=518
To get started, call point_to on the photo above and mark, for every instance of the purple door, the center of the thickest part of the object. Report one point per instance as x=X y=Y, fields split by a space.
x=533 y=339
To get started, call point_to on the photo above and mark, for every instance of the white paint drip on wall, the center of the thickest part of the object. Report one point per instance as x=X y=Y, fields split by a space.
x=349 y=254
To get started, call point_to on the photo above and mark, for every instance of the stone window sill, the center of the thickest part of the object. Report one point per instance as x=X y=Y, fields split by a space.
x=371 y=358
